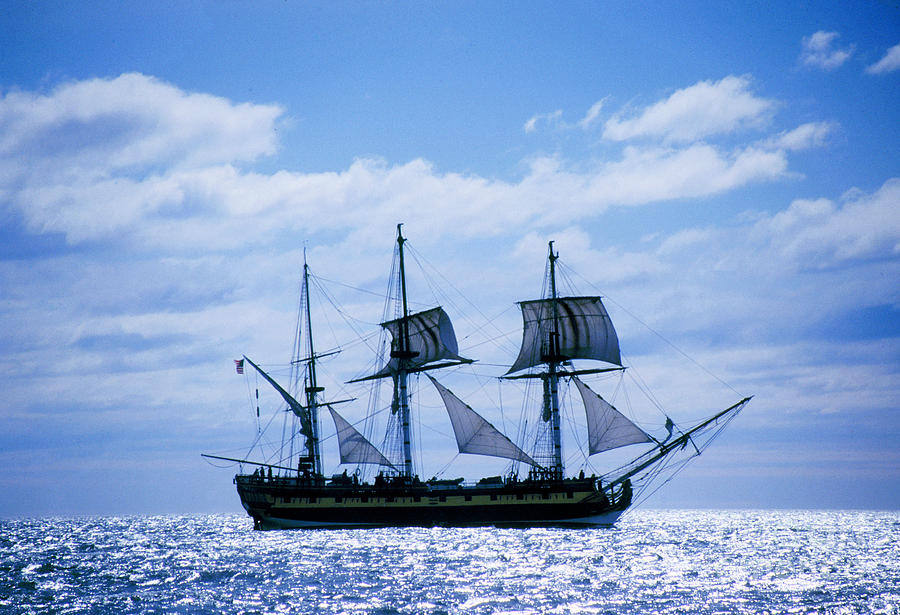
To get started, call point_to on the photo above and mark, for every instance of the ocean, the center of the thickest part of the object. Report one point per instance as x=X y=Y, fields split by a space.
x=688 y=561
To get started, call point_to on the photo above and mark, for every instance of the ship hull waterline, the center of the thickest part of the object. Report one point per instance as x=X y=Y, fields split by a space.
x=279 y=505
x=266 y=522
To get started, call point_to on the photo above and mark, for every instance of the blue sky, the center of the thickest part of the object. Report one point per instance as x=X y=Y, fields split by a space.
x=729 y=177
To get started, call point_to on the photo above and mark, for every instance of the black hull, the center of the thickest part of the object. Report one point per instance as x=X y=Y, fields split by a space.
x=283 y=503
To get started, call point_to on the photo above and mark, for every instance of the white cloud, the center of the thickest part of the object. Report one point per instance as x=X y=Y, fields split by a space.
x=646 y=175
x=105 y=125
x=887 y=64
x=180 y=188
x=696 y=112
x=97 y=157
x=550 y=119
x=88 y=210
x=592 y=115
x=782 y=278
x=805 y=136
x=554 y=120
x=684 y=239
x=818 y=52
x=820 y=233
x=248 y=224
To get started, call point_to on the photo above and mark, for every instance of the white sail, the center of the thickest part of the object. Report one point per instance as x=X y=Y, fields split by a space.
x=296 y=407
x=353 y=445
x=585 y=332
x=431 y=336
x=474 y=434
x=607 y=427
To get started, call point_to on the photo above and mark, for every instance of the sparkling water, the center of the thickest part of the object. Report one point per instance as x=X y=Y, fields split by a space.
x=650 y=562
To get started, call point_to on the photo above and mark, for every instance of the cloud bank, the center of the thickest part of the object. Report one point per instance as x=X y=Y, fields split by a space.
x=166 y=168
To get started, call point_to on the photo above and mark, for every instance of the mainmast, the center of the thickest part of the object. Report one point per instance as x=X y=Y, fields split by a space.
x=312 y=388
x=403 y=354
x=551 y=383
x=421 y=341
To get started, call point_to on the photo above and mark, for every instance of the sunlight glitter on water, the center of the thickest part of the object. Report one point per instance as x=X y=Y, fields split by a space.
x=653 y=561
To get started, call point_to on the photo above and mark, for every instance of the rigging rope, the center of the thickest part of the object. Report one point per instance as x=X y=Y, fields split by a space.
x=652 y=330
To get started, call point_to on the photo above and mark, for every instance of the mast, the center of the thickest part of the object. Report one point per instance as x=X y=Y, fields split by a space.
x=312 y=388
x=556 y=330
x=420 y=341
x=403 y=354
x=551 y=397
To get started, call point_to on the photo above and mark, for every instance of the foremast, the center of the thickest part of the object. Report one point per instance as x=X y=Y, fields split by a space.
x=403 y=354
x=557 y=330
x=312 y=389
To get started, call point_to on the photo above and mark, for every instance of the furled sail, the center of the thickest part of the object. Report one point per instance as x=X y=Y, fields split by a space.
x=474 y=434
x=584 y=327
x=431 y=336
x=353 y=445
x=607 y=427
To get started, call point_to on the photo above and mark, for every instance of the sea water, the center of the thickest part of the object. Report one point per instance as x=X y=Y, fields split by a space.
x=650 y=562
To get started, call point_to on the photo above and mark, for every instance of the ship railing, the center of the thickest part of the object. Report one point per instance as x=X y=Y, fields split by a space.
x=282 y=480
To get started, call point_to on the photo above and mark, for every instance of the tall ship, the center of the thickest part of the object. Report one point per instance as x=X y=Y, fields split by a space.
x=565 y=341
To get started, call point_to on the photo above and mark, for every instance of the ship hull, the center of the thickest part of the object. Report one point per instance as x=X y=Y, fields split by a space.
x=285 y=504
x=266 y=520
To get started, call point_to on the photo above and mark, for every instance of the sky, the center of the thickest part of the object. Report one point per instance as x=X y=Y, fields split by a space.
x=727 y=177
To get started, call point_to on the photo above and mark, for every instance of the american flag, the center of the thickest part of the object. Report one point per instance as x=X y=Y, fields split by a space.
x=239 y=366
